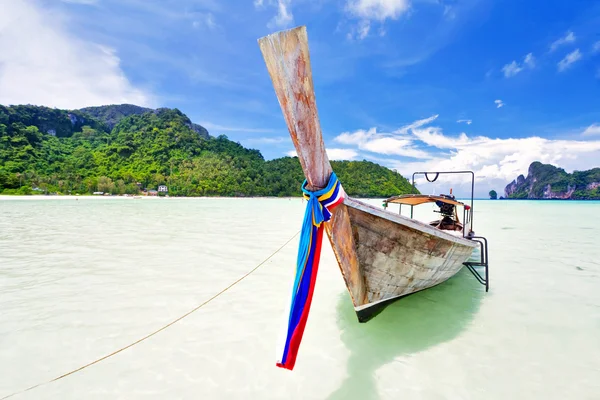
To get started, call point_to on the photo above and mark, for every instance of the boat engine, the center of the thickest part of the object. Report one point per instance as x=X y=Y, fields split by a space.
x=448 y=221
x=447 y=210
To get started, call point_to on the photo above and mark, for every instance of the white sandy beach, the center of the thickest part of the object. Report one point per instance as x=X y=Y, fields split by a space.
x=4 y=197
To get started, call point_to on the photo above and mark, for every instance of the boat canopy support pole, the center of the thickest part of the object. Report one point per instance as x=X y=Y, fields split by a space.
x=483 y=262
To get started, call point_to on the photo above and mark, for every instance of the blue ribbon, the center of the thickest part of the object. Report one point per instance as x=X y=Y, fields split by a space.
x=315 y=214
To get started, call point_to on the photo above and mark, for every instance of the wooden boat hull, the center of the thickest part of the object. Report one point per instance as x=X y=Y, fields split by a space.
x=397 y=256
x=382 y=256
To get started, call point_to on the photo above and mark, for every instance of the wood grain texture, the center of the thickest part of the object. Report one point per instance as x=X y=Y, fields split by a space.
x=288 y=63
x=397 y=259
x=381 y=255
x=339 y=231
x=410 y=222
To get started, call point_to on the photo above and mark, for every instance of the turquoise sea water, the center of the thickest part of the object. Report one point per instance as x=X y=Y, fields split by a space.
x=81 y=278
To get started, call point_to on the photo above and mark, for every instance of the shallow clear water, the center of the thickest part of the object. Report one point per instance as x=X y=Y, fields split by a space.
x=82 y=278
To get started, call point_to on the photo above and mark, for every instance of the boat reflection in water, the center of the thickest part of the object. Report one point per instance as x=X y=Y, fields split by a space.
x=418 y=322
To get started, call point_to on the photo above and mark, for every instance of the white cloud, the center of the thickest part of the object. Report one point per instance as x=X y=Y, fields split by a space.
x=333 y=154
x=382 y=143
x=449 y=12
x=341 y=154
x=514 y=67
x=529 y=60
x=418 y=123
x=363 y=29
x=499 y=103
x=379 y=10
x=210 y=21
x=357 y=137
x=568 y=38
x=496 y=162
x=392 y=146
x=374 y=10
x=284 y=17
x=432 y=136
x=466 y=121
x=205 y=19
x=592 y=130
x=41 y=63
x=596 y=47
x=569 y=59
x=511 y=69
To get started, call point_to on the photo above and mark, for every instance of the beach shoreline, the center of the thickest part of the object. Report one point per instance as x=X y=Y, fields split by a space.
x=4 y=197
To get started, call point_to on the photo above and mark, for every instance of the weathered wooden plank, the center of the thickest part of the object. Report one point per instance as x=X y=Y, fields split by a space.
x=413 y=223
x=339 y=231
x=398 y=259
x=381 y=255
x=288 y=62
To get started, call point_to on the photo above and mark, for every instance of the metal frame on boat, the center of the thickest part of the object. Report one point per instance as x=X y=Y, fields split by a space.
x=467 y=209
x=382 y=255
x=468 y=212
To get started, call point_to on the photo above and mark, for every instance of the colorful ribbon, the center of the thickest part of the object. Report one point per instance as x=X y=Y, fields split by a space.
x=318 y=210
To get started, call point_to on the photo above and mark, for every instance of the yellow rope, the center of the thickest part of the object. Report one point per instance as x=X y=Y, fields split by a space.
x=156 y=331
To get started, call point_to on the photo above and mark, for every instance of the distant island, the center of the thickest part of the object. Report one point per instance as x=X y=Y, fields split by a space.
x=545 y=181
x=127 y=149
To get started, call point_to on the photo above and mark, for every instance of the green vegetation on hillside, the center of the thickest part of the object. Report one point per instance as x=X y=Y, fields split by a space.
x=111 y=115
x=545 y=181
x=45 y=150
x=54 y=122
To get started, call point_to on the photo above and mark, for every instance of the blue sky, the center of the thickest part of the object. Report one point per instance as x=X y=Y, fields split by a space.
x=484 y=85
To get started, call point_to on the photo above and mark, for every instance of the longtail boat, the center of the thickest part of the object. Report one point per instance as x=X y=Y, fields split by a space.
x=382 y=255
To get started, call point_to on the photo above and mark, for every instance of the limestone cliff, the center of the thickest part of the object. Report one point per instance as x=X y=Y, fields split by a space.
x=112 y=114
x=545 y=181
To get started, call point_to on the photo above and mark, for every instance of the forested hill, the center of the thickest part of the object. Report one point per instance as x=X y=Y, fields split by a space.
x=545 y=181
x=125 y=149
x=112 y=114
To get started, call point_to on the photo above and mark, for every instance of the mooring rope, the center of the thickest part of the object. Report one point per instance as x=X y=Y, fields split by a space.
x=158 y=330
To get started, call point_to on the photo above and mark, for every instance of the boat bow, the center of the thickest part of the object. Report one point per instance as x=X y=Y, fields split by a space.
x=381 y=255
